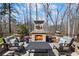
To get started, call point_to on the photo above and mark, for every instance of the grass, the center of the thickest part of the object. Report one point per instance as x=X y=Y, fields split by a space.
x=1 y=41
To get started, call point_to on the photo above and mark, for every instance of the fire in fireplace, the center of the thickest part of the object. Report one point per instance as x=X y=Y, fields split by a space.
x=38 y=37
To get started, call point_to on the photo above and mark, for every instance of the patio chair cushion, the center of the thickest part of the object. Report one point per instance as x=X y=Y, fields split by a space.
x=13 y=48
x=8 y=53
x=66 y=48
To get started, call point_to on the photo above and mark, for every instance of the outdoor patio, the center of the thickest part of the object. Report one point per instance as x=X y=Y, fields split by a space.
x=38 y=52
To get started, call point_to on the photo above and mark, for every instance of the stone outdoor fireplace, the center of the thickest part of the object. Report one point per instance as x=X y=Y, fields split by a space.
x=38 y=34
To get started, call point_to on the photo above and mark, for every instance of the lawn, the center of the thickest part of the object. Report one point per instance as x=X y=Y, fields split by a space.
x=1 y=41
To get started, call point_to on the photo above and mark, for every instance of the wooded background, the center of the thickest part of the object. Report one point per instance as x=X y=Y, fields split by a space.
x=67 y=23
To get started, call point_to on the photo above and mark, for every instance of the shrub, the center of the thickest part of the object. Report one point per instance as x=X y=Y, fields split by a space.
x=23 y=30
x=1 y=41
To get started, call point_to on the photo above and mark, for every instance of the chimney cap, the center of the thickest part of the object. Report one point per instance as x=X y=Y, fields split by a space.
x=39 y=22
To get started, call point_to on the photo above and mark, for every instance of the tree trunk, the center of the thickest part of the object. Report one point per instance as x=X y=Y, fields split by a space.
x=9 y=5
x=27 y=13
x=47 y=5
x=36 y=12
x=1 y=34
x=30 y=28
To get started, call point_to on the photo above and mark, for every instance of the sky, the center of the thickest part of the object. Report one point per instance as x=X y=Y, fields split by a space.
x=23 y=8
x=41 y=13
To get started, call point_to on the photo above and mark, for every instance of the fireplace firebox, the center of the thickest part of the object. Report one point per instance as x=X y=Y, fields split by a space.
x=38 y=37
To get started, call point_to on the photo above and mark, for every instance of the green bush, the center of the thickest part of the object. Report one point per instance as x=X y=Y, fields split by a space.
x=1 y=41
x=23 y=30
